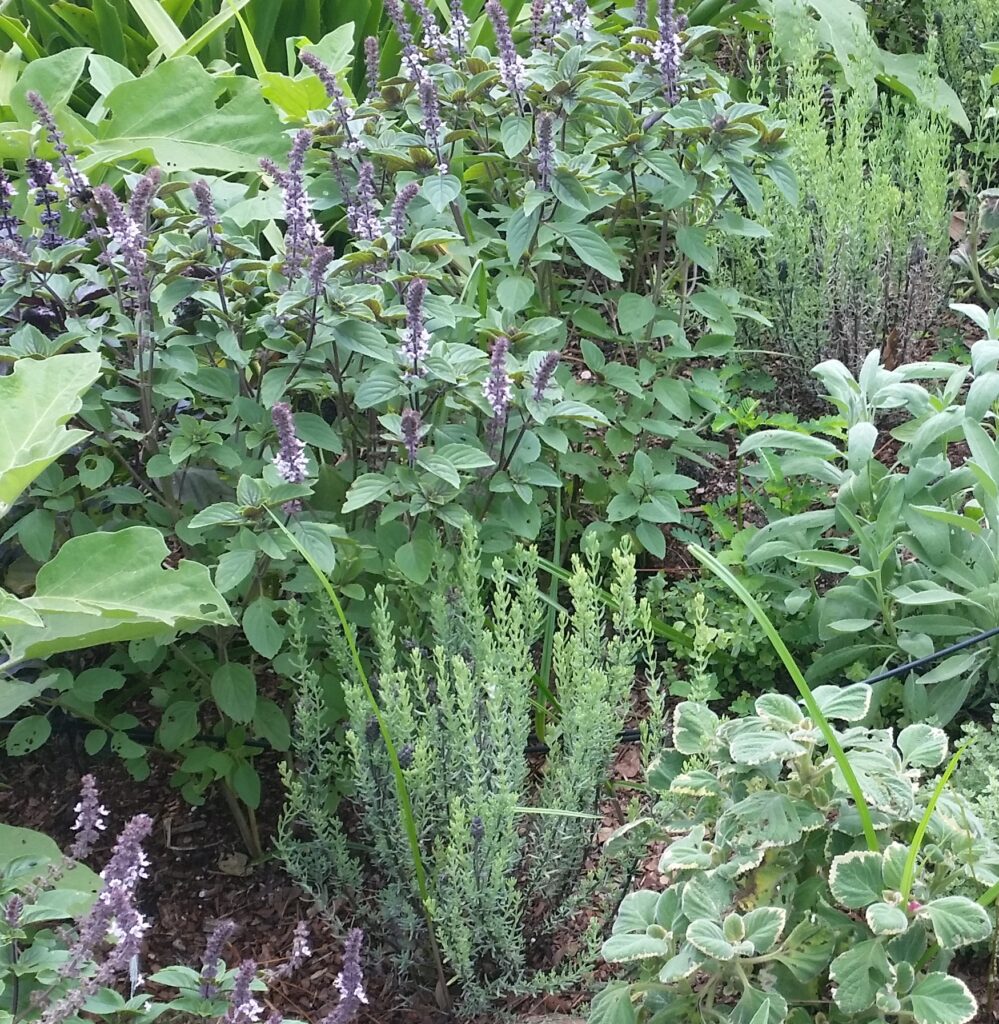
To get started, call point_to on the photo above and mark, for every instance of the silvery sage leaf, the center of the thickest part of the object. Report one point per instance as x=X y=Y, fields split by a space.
x=694 y=727
x=956 y=921
x=922 y=746
x=764 y=926
x=858 y=974
x=847 y=703
x=708 y=937
x=938 y=998
x=856 y=879
x=886 y=919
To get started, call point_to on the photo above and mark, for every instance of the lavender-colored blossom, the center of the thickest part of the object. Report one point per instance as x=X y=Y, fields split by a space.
x=12 y=911
x=128 y=230
x=415 y=337
x=302 y=232
x=341 y=109
x=322 y=257
x=289 y=460
x=640 y=16
x=497 y=386
x=579 y=18
x=362 y=217
x=411 y=59
x=667 y=51
x=543 y=375
x=538 y=10
x=211 y=959
x=8 y=222
x=397 y=221
x=349 y=982
x=90 y=815
x=300 y=948
x=79 y=187
x=372 y=63
x=142 y=196
x=206 y=211
x=432 y=120
x=460 y=30
x=433 y=38
x=546 y=148
x=40 y=179
x=510 y=65
x=243 y=1008
x=411 y=429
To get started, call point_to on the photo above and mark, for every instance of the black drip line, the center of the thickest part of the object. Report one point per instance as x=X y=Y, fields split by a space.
x=67 y=725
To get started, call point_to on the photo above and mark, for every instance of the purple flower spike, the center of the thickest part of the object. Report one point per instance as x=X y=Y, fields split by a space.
x=640 y=18
x=8 y=222
x=372 y=63
x=243 y=1008
x=667 y=51
x=543 y=375
x=40 y=179
x=460 y=28
x=497 y=386
x=432 y=120
x=546 y=148
x=362 y=218
x=12 y=912
x=412 y=59
x=411 y=431
x=415 y=337
x=302 y=232
x=397 y=221
x=207 y=212
x=350 y=981
x=433 y=38
x=211 y=959
x=341 y=109
x=290 y=460
x=90 y=815
x=538 y=10
x=79 y=187
x=510 y=65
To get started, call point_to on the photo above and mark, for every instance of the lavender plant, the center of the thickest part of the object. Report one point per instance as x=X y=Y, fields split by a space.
x=459 y=714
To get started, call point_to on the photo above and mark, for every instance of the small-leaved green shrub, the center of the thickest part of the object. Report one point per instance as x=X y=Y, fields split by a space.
x=775 y=909
x=504 y=853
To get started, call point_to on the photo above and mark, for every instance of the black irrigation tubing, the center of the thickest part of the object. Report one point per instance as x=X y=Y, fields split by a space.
x=139 y=734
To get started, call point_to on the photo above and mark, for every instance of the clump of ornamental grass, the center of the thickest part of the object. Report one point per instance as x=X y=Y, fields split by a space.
x=52 y=975
x=498 y=848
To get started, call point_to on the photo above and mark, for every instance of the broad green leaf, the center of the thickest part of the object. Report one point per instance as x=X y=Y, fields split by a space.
x=855 y=879
x=440 y=189
x=708 y=937
x=767 y=819
x=31 y=849
x=857 y=975
x=54 y=77
x=694 y=728
x=612 y=1005
x=937 y=998
x=634 y=312
x=27 y=735
x=706 y=896
x=365 y=489
x=692 y=242
x=179 y=724
x=36 y=401
x=922 y=746
x=805 y=952
x=415 y=559
x=683 y=965
x=847 y=703
x=779 y=709
x=184 y=119
x=234 y=690
x=789 y=440
x=886 y=919
x=756 y=743
x=956 y=921
x=261 y=629
x=107 y=587
x=14 y=612
x=591 y=249
x=515 y=134
x=763 y=927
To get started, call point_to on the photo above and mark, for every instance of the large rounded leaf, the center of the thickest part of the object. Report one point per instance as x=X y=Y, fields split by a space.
x=107 y=587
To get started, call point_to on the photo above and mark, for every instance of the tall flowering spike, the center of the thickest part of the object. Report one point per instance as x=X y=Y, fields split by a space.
x=432 y=120
x=372 y=63
x=510 y=65
x=341 y=109
x=129 y=237
x=397 y=221
x=543 y=375
x=211 y=959
x=300 y=948
x=8 y=222
x=302 y=232
x=289 y=460
x=243 y=1008
x=433 y=38
x=461 y=28
x=497 y=386
x=538 y=10
x=40 y=179
x=142 y=195
x=667 y=50
x=579 y=18
x=12 y=911
x=206 y=211
x=79 y=187
x=545 y=126
x=640 y=17
x=411 y=59
x=90 y=819
x=350 y=981
x=322 y=257
x=362 y=217
x=415 y=337
x=411 y=432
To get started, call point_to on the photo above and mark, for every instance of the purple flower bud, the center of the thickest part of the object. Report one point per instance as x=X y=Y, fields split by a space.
x=206 y=211
x=433 y=38
x=546 y=148
x=543 y=375
x=432 y=120
x=289 y=460
x=89 y=819
x=411 y=59
x=79 y=187
x=372 y=63
x=510 y=65
x=362 y=218
x=350 y=981
x=478 y=829
x=538 y=10
x=342 y=111
x=322 y=257
x=300 y=948
x=243 y=1008
x=397 y=222
x=497 y=386
x=640 y=17
x=460 y=28
x=12 y=911
x=142 y=196
x=667 y=50
x=40 y=179
x=411 y=431
x=415 y=337
x=8 y=222
x=302 y=232
x=211 y=959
